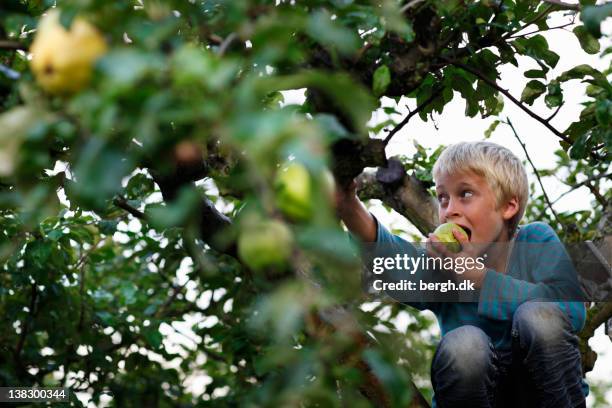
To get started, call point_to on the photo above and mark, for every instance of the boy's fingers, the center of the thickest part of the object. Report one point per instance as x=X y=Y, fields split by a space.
x=437 y=246
x=460 y=237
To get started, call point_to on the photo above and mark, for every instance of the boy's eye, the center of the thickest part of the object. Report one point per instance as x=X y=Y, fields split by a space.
x=442 y=198
x=467 y=193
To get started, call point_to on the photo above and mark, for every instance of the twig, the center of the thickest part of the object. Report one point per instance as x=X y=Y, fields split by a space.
x=583 y=183
x=600 y=199
x=548 y=29
x=562 y=5
x=226 y=43
x=534 y=20
x=548 y=119
x=537 y=174
x=419 y=108
x=11 y=45
x=123 y=204
x=597 y=315
x=528 y=111
x=410 y=5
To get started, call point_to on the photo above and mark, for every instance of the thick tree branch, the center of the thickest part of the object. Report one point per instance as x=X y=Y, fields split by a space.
x=406 y=195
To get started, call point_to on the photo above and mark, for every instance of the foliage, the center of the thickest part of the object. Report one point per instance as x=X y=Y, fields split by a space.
x=104 y=245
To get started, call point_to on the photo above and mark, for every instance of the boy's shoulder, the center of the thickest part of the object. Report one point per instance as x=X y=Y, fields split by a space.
x=536 y=232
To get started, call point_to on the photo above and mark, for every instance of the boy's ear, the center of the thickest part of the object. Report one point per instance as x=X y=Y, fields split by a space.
x=510 y=208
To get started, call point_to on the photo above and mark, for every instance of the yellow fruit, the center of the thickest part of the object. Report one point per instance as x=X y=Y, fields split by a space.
x=293 y=192
x=445 y=234
x=265 y=245
x=62 y=60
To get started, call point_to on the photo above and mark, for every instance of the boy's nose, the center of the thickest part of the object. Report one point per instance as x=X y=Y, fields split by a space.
x=452 y=210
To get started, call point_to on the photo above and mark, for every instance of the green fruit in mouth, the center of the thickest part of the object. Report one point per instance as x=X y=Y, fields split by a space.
x=265 y=245
x=445 y=234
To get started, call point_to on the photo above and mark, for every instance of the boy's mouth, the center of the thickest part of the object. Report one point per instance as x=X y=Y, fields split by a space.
x=469 y=231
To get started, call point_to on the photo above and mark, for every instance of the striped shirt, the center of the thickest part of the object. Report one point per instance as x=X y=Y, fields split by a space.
x=530 y=276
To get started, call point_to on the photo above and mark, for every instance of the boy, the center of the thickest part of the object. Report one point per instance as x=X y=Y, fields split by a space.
x=494 y=353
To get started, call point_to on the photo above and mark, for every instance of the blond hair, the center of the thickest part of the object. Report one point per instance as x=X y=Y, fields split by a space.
x=502 y=170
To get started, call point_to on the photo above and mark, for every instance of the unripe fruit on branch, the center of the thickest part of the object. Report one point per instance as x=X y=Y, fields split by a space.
x=445 y=234
x=62 y=60
x=293 y=187
x=265 y=245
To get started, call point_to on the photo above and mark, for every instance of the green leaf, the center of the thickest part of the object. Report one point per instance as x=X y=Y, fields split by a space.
x=554 y=96
x=382 y=79
x=123 y=67
x=128 y=291
x=138 y=186
x=593 y=16
x=532 y=91
x=579 y=148
x=328 y=32
x=603 y=112
x=54 y=235
x=176 y=213
x=491 y=129
x=98 y=175
x=588 y=43
x=537 y=48
x=152 y=336
x=535 y=73
x=579 y=71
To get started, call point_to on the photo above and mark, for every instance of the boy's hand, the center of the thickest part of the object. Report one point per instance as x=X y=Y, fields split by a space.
x=345 y=195
x=353 y=213
x=438 y=249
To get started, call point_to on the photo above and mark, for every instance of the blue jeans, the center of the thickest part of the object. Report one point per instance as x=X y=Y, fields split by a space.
x=542 y=369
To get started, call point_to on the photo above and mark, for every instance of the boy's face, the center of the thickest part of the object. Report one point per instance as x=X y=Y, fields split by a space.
x=466 y=199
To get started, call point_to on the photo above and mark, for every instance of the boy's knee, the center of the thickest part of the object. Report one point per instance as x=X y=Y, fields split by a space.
x=541 y=322
x=465 y=350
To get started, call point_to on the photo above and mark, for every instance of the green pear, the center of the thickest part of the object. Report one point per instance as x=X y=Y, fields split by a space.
x=293 y=187
x=265 y=245
x=445 y=234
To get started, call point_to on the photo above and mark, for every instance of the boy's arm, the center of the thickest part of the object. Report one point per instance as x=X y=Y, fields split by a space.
x=354 y=214
x=362 y=224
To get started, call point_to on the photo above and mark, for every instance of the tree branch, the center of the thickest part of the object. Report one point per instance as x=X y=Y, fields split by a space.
x=548 y=119
x=535 y=171
x=406 y=195
x=419 y=108
x=583 y=183
x=494 y=85
x=11 y=45
x=562 y=5
x=123 y=204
